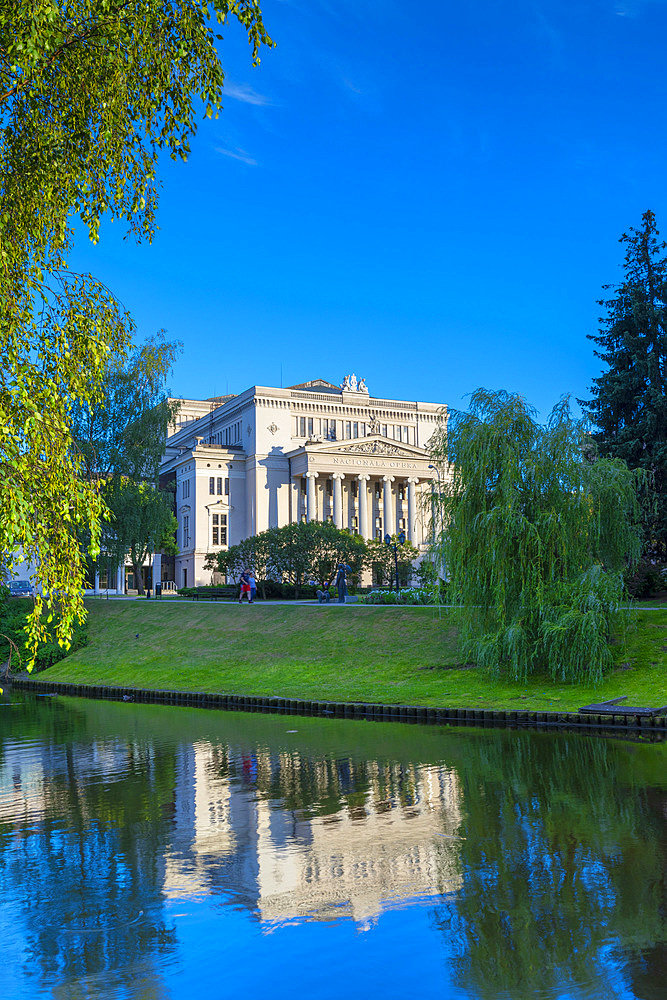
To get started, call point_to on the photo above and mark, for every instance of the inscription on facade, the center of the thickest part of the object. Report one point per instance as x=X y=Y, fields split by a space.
x=371 y=463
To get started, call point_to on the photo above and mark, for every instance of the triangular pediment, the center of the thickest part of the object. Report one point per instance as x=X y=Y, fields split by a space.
x=373 y=445
x=316 y=385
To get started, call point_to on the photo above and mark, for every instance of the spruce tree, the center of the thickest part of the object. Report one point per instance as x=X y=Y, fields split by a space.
x=629 y=406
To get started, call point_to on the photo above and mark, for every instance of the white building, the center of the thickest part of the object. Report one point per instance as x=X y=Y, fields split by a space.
x=269 y=457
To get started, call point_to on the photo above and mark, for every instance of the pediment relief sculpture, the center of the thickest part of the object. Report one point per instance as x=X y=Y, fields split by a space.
x=372 y=448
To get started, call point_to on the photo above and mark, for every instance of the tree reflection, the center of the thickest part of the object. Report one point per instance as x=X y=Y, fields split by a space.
x=562 y=869
x=546 y=853
x=83 y=862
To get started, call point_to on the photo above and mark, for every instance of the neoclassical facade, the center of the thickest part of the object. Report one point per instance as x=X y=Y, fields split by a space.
x=267 y=457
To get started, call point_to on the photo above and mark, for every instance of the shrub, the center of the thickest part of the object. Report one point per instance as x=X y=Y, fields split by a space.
x=647 y=581
x=409 y=595
x=13 y=618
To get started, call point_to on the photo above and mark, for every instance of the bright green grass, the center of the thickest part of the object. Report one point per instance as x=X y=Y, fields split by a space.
x=352 y=653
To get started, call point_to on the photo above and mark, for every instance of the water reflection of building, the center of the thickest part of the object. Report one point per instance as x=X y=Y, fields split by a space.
x=295 y=838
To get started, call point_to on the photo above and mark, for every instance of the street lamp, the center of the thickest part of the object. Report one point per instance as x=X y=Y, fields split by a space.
x=394 y=546
x=437 y=472
x=433 y=518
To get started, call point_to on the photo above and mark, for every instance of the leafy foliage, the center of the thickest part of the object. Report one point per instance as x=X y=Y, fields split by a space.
x=91 y=93
x=383 y=563
x=14 y=620
x=142 y=521
x=294 y=554
x=121 y=442
x=408 y=595
x=629 y=404
x=538 y=534
x=122 y=433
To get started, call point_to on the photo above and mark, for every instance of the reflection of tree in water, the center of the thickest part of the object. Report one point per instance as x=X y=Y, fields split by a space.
x=89 y=866
x=563 y=873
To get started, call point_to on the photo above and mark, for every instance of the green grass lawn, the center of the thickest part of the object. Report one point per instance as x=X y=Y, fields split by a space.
x=353 y=653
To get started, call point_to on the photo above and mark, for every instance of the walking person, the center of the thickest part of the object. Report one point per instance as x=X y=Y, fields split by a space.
x=244 y=582
x=341 y=581
x=253 y=585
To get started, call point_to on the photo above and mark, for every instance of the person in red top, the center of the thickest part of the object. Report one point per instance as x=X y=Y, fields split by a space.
x=245 y=586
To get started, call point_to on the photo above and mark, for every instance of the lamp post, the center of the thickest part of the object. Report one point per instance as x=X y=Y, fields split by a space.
x=394 y=547
x=437 y=472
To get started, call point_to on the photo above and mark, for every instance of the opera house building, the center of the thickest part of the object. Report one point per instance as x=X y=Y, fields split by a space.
x=267 y=457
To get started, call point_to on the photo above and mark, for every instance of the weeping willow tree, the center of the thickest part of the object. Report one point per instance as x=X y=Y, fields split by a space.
x=537 y=531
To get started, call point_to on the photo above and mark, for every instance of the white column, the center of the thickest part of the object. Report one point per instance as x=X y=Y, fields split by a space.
x=157 y=569
x=363 y=505
x=120 y=579
x=412 y=507
x=311 y=510
x=97 y=581
x=387 y=507
x=295 y=500
x=338 y=499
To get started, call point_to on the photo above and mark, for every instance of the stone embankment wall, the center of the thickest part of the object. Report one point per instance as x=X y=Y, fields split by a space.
x=648 y=725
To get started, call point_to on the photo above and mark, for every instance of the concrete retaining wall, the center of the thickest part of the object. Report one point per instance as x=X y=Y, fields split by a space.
x=359 y=710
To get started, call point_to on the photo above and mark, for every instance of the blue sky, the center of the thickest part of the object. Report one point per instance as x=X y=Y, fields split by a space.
x=428 y=195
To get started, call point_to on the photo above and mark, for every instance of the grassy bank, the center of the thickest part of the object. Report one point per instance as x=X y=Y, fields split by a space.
x=351 y=653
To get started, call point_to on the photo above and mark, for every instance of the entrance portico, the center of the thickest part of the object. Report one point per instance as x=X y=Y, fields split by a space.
x=370 y=485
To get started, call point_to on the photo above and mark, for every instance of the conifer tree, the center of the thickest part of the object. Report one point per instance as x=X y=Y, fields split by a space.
x=629 y=405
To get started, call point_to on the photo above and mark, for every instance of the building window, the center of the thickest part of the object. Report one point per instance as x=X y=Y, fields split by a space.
x=384 y=430
x=406 y=435
x=186 y=531
x=226 y=487
x=401 y=491
x=211 y=485
x=348 y=429
x=219 y=529
x=302 y=427
x=310 y=427
x=186 y=488
x=219 y=486
x=363 y=429
x=401 y=523
x=378 y=528
x=355 y=487
x=355 y=429
x=329 y=487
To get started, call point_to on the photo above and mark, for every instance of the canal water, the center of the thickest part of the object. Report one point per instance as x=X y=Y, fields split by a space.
x=149 y=852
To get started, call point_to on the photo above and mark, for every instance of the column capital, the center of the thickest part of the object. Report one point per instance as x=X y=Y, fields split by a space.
x=413 y=479
x=388 y=479
x=363 y=477
x=311 y=475
x=338 y=475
